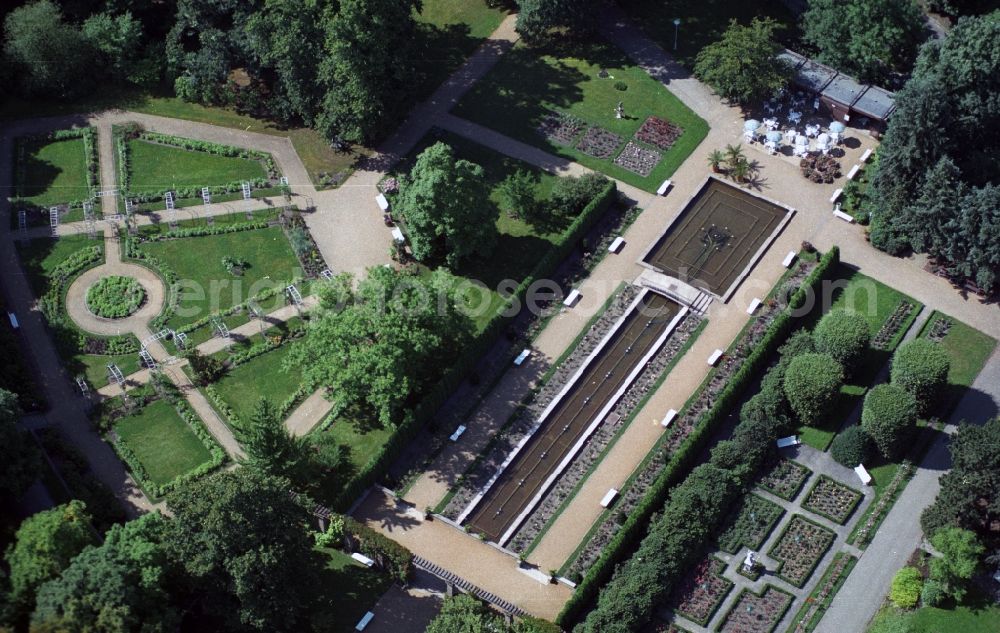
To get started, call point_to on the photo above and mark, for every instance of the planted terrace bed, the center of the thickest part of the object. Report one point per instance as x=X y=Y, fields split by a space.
x=750 y=525
x=800 y=548
x=757 y=613
x=831 y=499
x=698 y=597
x=784 y=478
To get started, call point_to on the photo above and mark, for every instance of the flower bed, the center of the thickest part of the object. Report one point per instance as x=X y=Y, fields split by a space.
x=115 y=297
x=658 y=132
x=638 y=159
x=750 y=525
x=800 y=548
x=939 y=328
x=809 y=614
x=757 y=613
x=561 y=128
x=702 y=591
x=599 y=143
x=303 y=244
x=832 y=500
x=820 y=168
x=865 y=532
x=784 y=479
x=892 y=325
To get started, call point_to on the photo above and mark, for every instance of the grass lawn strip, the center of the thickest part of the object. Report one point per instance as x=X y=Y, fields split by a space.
x=800 y=548
x=832 y=500
x=750 y=525
x=349 y=590
x=261 y=377
x=162 y=442
x=529 y=86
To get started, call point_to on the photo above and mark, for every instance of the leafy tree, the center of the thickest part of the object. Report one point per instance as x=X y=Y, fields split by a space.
x=968 y=497
x=537 y=19
x=865 y=38
x=53 y=57
x=954 y=568
x=246 y=549
x=118 y=40
x=447 y=208
x=517 y=195
x=921 y=367
x=43 y=547
x=366 y=68
x=119 y=585
x=812 y=383
x=851 y=447
x=906 y=586
x=465 y=614
x=889 y=416
x=269 y=446
x=394 y=338
x=938 y=191
x=20 y=462
x=743 y=66
x=571 y=194
x=207 y=369
x=844 y=335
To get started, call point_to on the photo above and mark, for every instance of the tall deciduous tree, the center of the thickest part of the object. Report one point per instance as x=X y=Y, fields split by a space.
x=20 y=461
x=44 y=546
x=537 y=19
x=367 y=67
x=396 y=336
x=117 y=586
x=246 y=548
x=865 y=38
x=446 y=204
x=743 y=65
x=53 y=57
x=122 y=49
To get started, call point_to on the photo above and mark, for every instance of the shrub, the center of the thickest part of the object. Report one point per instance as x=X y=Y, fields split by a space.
x=843 y=334
x=921 y=367
x=621 y=86
x=115 y=297
x=812 y=382
x=888 y=416
x=906 y=586
x=852 y=447
x=933 y=593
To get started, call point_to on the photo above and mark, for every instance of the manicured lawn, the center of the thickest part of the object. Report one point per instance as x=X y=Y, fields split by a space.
x=163 y=442
x=157 y=168
x=40 y=257
x=977 y=619
x=262 y=377
x=206 y=285
x=451 y=31
x=94 y=367
x=529 y=83
x=349 y=591
x=364 y=443
x=163 y=228
x=54 y=173
x=704 y=21
x=967 y=347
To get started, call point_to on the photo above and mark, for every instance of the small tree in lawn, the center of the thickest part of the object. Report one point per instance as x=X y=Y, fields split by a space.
x=812 y=383
x=446 y=204
x=269 y=445
x=843 y=334
x=889 y=415
x=207 y=369
x=744 y=66
x=538 y=19
x=959 y=560
x=517 y=195
x=921 y=367
x=851 y=447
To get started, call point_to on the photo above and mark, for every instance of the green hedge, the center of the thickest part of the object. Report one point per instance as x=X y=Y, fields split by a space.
x=464 y=365
x=683 y=460
x=387 y=553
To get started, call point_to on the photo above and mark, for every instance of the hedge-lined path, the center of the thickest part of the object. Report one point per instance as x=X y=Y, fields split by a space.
x=461 y=554
x=109 y=177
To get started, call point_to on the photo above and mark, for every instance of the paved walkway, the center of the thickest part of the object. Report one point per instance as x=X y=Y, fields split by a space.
x=900 y=534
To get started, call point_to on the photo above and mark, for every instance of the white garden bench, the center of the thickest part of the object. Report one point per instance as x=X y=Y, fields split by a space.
x=617 y=244
x=670 y=417
x=714 y=358
x=662 y=191
x=361 y=558
x=397 y=235
x=458 y=433
x=363 y=622
x=753 y=305
x=789 y=259
x=846 y=217
x=609 y=498
x=523 y=356
x=571 y=298
x=382 y=202
x=13 y=320
x=836 y=195
x=791 y=440
x=863 y=475
x=854 y=172
x=866 y=155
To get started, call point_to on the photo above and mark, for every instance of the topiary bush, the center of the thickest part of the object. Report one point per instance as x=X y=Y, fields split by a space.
x=115 y=297
x=852 y=447
x=889 y=415
x=921 y=367
x=812 y=383
x=906 y=586
x=843 y=334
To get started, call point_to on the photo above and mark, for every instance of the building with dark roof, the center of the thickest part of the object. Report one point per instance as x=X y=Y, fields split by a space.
x=846 y=99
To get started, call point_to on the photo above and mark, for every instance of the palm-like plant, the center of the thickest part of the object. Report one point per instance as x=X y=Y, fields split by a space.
x=740 y=170
x=715 y=159
x=735 y=155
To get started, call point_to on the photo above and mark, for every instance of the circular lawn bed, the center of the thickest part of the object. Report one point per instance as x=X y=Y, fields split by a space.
x=115 y=297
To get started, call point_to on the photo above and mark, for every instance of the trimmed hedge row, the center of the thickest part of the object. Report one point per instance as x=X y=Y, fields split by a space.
x=683 y=460
x=387 y=553
x=464 y=365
